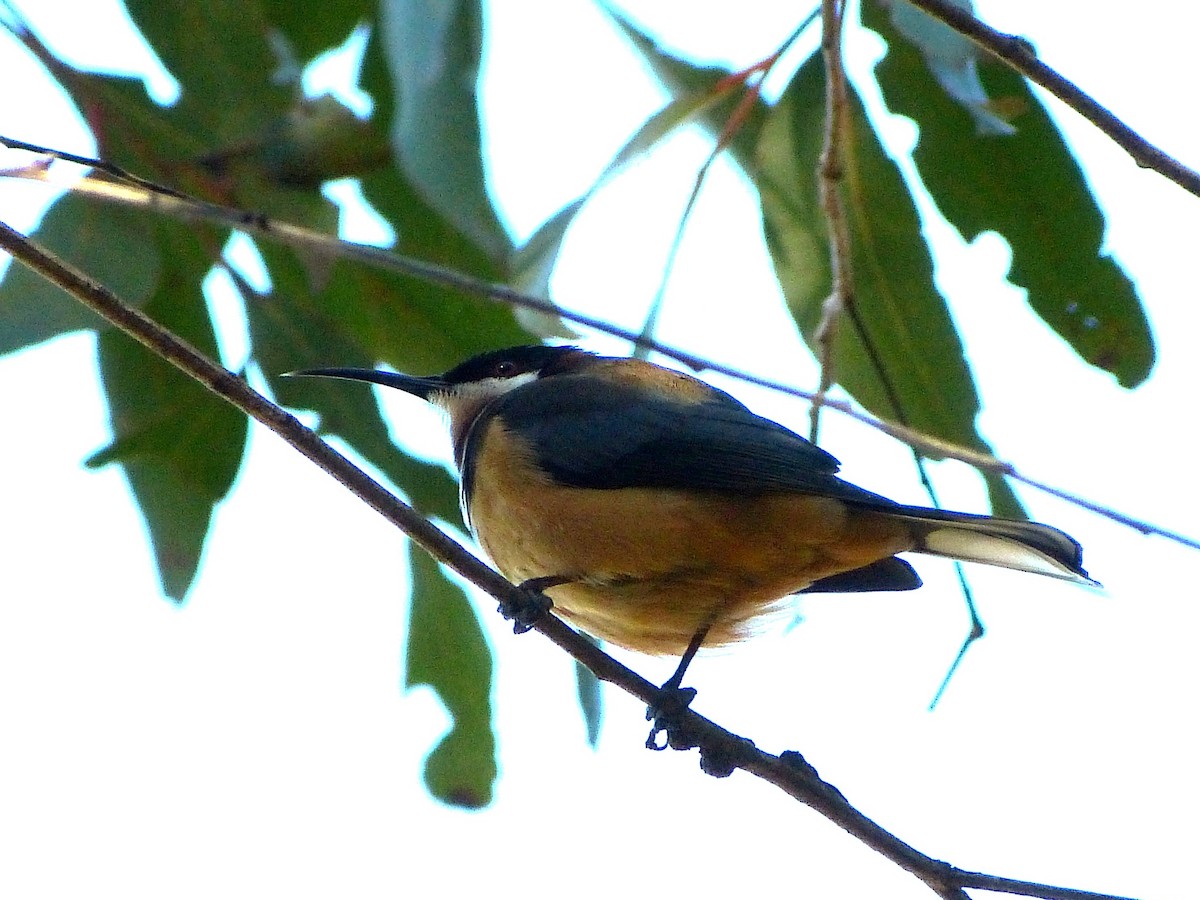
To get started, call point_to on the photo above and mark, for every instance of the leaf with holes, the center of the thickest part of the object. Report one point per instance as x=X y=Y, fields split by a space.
x=1028 y=188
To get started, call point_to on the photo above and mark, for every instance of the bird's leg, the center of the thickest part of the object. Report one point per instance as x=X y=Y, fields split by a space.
x=530 y=604
x=666 y=713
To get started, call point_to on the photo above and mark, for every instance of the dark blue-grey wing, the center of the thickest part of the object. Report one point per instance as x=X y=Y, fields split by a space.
x=593 y=433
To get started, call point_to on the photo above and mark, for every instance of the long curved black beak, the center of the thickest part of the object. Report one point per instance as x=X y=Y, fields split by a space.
x=410 y=384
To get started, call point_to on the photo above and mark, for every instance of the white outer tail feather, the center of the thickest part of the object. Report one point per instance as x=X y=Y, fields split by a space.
x=1024 y=546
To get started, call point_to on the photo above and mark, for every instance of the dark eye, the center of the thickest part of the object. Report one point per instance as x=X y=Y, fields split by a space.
x=504 y=369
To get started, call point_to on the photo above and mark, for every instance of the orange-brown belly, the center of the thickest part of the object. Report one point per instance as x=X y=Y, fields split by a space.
x=650 y=567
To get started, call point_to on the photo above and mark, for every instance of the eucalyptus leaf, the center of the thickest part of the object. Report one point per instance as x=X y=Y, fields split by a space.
x=896 y=351
x=1029 y=188
x=433 y=52
x=179 y=444
x=953 y=61
x=448 y=652
x=113 y=245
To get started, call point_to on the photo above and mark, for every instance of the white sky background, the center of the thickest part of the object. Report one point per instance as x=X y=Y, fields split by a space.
x=257 y=742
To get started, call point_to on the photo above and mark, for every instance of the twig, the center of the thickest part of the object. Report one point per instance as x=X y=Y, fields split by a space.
x=721 y=751
x=829 y=178
x=306 y=239
x=753 y=77
x=1017 y=53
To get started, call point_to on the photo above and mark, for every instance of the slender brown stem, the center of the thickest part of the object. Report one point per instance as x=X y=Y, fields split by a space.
x=830 y=170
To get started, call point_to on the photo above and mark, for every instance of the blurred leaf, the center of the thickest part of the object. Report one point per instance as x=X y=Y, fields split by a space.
x=315 y=140
x=292 y=327
x=131 y=130
x=313 y=28
x=918 y=363
x=220 y=54
x=679 y=111
x=309 y=209
x=532 y=267
x=448 y=652
x=465 y=325
x=290 y=330
x=1030 y=189
x=684 y=79
x=591 y=701
x=952 y=59
x=397 y=320
x=179 y=445
x=433 y=52
x=111 y=244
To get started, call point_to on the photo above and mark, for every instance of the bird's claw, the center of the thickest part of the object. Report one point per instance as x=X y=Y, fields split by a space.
x=667 y=715
x=526 y=605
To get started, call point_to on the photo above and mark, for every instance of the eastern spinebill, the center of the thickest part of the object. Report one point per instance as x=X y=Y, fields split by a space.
x=665 y=514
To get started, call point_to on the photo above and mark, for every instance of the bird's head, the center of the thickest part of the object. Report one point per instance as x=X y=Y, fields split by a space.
x=464 y=391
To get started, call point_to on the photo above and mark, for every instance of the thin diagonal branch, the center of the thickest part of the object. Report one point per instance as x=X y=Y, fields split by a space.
x=1017 y=53
x=721 y=751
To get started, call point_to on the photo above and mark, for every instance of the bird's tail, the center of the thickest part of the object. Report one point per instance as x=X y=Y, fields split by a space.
x=1026 y=546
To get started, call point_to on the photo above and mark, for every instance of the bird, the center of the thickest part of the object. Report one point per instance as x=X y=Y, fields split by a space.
x=660 y=514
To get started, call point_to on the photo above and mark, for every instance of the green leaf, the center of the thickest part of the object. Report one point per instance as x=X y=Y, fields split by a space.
x=314 y=141
x=135 y=133
x=532 y=267
x=591 y=701
x=433 y=52
x=448 y=652
x=111 y=244
x=898 y=354
x=294 y=327
x=180 y=446
x=684 y=79
x=1030 y=189
x=220 y=53
x=459 y=326
x=313 y=28
x=952 y=60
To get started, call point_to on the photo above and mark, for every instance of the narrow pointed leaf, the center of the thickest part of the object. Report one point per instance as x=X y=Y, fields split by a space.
x=433 y=52
x=925 y=380
x=179 y=445
x=683 y=78
x=112 y=244
x=446 y=648
x=1030 y=189
x=448 y=652
x=591 y=701
x=532 y=267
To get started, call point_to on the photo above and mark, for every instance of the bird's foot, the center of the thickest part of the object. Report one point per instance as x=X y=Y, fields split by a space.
x=668 y=715
x=527 y=605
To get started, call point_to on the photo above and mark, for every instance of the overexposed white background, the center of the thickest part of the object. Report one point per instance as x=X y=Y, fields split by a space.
x=256 y=741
